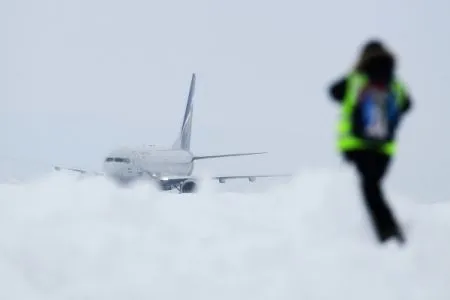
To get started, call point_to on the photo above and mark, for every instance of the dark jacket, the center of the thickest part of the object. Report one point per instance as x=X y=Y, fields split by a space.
x=379 y=65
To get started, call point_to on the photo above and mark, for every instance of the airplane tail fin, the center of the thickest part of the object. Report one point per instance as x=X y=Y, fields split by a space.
x=184 y=139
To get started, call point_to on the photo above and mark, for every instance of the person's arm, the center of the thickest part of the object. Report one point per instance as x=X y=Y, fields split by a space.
x=337 y=89
x=408 y=104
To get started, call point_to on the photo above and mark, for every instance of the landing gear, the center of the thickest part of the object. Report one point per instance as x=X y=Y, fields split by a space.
x=165 y=187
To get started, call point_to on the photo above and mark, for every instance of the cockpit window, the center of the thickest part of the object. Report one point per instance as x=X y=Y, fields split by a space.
x=118 y=159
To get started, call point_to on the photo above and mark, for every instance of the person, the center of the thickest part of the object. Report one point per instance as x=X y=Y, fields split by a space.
x=373 y=102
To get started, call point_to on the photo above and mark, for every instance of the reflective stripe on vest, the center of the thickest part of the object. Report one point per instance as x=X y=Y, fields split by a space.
x=346 y=141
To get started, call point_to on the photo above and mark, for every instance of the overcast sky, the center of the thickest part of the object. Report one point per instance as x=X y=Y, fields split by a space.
x=81 y=77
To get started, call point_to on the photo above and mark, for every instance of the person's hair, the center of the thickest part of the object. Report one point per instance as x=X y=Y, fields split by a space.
x=372 y=49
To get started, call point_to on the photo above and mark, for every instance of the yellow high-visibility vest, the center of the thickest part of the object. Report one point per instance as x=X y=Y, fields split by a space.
x=346 y=140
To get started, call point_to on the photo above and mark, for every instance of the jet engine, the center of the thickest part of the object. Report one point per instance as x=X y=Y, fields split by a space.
x=188 y=186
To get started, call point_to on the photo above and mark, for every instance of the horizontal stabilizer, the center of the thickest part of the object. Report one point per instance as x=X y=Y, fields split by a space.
x=226 y=155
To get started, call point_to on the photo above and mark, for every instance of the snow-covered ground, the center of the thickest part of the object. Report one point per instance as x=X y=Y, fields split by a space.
x=62 y=238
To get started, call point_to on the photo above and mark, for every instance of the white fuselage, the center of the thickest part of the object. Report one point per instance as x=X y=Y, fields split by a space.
x=126 y=165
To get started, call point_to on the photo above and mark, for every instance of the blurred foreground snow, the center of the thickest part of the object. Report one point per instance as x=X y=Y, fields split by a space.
x=309 y=239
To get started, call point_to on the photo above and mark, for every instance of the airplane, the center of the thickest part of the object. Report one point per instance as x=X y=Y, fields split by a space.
x=170 y=167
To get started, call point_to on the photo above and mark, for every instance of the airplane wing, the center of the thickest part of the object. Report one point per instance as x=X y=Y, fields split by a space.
x=179 y=179
x=251 y=178
x=84 y=172
x=178 y=182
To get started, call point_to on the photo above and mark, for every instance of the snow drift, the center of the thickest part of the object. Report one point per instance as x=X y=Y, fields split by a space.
x=309 y=239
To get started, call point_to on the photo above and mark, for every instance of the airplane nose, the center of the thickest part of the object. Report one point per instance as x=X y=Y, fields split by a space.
x=118 y=169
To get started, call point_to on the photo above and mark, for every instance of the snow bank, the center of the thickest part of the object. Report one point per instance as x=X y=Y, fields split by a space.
x=310 y=239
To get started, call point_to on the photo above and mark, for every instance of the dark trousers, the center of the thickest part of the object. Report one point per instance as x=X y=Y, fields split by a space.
x=372 y=167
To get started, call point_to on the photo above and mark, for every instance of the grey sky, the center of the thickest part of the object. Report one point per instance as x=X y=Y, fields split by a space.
x=81 y=77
